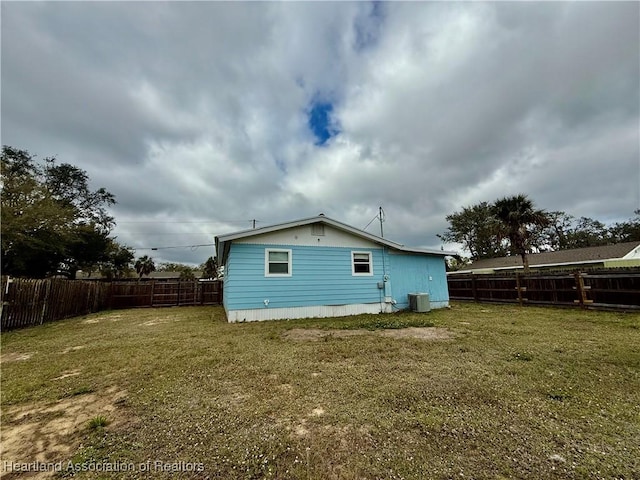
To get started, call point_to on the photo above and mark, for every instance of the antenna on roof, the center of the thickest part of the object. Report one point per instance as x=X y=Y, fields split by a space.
x=381 y=217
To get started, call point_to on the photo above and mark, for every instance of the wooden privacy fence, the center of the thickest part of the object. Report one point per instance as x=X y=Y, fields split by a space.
x=33 y=302
x=597 y=289
x=165 y=293
x=28 y=302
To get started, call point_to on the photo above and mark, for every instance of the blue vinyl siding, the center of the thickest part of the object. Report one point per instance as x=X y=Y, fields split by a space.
x=320 y=276
x=410 y=274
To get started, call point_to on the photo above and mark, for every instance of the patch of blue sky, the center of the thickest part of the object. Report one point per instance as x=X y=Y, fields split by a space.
x=320 y=122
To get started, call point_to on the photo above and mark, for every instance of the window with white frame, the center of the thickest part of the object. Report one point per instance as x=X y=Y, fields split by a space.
x=361 y=263
x=277 y=262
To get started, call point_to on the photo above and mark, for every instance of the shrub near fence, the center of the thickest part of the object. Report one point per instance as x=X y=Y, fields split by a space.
x=618 y=289
x=28 y=302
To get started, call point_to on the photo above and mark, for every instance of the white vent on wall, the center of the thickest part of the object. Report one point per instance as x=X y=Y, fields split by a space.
x=317 y=229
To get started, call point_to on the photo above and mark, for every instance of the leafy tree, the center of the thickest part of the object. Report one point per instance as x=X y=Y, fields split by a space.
x=454 y=264
x=118 y=262
x=628 y=231
x=210 y=268
x=588 y=233
x=173 y=267
x=86 y=250
x=187 y=274
x=517 y=219
x=566 y=232
x=69 y=185
x=475 y=227
x=33 y=223
x=51 y=221
x=555 y=235
x=144 y=266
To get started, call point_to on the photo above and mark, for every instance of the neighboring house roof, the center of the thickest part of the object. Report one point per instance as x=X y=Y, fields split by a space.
x=560 y=257
x=223 y=241
x=152 y=276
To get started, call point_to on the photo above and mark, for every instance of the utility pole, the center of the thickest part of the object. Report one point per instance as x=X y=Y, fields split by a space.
x=254 y=223
x=381 y=217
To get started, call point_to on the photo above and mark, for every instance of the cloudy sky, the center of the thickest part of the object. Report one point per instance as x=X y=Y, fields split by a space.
x=202 y=116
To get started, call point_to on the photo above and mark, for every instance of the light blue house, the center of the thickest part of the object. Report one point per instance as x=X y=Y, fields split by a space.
x=319 y=267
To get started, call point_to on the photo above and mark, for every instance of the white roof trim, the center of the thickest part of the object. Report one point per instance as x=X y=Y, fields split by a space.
x=222 y=240
x=634 y=253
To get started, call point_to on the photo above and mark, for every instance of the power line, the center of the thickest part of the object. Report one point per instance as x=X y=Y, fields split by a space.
x=370 y=222
x=134 y=232
x=191 y=221
x=193 y=247
x=380 y=217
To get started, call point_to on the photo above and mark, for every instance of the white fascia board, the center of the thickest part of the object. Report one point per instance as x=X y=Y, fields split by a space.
x=427 y=251
x=478 y=270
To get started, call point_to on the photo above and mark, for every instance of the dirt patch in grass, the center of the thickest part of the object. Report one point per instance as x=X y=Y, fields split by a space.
x=422 y=333
x=51 y=431
x=73 y=349
x=15 y=357
x=67 y=374
x=315 y=334
x=159 y=321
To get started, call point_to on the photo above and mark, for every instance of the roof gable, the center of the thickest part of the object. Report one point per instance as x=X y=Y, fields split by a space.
x=223 y=241
x=311 y=235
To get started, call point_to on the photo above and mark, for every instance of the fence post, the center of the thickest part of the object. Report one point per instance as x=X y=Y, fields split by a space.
x=5 y=293
x=47 y=289
x=474 y=290
x=581 y=289
x=87 y=305
x=518 y=288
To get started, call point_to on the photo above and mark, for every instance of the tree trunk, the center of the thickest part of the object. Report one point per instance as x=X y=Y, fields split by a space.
x=525 y=262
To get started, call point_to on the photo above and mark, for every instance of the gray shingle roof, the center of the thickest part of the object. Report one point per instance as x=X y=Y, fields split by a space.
x=576 y=255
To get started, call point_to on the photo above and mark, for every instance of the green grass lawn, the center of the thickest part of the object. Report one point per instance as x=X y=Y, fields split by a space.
x=512 y=393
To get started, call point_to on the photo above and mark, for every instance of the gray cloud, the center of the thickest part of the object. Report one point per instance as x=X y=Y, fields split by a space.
x=197 y=112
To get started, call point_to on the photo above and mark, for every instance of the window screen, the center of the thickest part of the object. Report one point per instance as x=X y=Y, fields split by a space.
x=361 y=263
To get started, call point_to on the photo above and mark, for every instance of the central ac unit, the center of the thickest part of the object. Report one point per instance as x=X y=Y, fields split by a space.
x=419 y=302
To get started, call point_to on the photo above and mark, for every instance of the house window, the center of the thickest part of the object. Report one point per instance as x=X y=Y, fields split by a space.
x=277 y=262
x=361 y=263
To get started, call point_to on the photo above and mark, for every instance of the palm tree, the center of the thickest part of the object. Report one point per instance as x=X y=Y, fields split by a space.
x=516 y=216
x=144 y=266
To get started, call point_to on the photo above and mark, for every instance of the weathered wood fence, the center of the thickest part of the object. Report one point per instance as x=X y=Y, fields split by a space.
x=33 y=302
x=28 y=302
x=165 y=293
x=595 y=289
